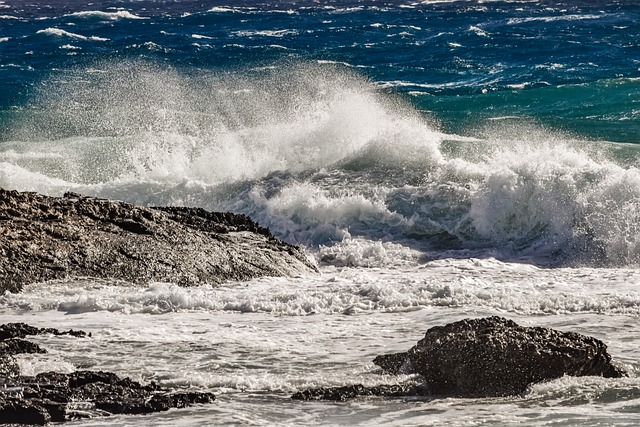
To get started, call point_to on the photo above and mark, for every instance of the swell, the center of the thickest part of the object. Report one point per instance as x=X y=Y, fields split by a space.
x=325 y=159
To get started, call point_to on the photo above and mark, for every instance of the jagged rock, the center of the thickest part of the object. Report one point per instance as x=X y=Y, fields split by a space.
x=8 y=367
x=488 y=357
x=496 y=357
x=358 y=390
x=103 y=392
x=11 y=343
x=21 y=330
x=14 y=411
x=394 y=363
x=49 y=238
x=56 y=397
x=14 y=346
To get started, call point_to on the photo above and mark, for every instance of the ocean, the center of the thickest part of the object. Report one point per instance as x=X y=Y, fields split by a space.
x=437 y=159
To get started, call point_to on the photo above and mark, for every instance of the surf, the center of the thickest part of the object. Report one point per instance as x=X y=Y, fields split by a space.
x=326 y=159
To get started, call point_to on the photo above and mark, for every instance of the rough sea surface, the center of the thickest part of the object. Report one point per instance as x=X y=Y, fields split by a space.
x=438 y=160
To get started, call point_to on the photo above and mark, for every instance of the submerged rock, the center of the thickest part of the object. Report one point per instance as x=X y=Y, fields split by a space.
x=47 y=238
x=56 y=397
x=488 y=357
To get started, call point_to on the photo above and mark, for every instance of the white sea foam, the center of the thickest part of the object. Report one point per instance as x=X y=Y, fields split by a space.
x=479 y=31
x=199 y=36
x=62 y=33
x=565 y=17
x=315 y=108
x=346 y=64
x=31 y=365
x=22 y=179
x=219 y=9
x=267 y=33
x=323 y=159
x=21 y=67
x=347 y=9
x=105 y=16
x=473 y=283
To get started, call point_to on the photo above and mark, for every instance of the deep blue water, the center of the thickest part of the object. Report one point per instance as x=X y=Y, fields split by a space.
x=572 y=65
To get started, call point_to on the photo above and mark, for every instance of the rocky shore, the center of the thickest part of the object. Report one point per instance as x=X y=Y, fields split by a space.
x=48 y=238
x=487 y=357
x=56 y=397
x=57 y=238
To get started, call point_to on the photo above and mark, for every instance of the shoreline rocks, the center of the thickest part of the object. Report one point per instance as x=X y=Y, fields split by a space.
x=52 y=238
x=486 y=357
x=344 y=393
x=56 y=397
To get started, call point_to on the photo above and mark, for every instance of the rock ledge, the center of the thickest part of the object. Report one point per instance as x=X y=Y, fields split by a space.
x=56 y=397
x=46 y=238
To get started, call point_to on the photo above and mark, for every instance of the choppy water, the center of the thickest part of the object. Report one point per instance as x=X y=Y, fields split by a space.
x=439 y=159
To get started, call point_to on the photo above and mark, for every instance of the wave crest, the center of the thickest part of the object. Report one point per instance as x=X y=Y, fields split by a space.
x=105 y=16
x=325 y=159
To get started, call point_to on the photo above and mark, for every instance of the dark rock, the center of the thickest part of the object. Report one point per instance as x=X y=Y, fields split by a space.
x=57 y=397
x=348 y=392
x=495 y=357
x=48 y=238
x=15 y=346
x=395 y=363
x=13 y=411
x=213 y=222
x=17 y=330
x=487 y=357
x=21 y=330
x=155 y=403
x=11 y=343
x=104 y=393
x=8 y=367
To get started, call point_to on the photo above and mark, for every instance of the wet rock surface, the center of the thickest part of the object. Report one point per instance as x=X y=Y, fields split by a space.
x=487 y=357
x=48 y=238
x=56 y=397
x=358 y=390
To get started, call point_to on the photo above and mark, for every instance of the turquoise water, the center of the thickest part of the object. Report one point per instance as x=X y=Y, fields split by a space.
x=571 y=65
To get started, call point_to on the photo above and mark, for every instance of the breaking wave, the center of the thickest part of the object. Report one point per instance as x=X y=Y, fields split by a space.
x=328 y=160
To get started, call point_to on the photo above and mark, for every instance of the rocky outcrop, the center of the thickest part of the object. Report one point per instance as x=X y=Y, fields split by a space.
x=57 y=397
x=47 y=238
x=496 y=357
x=21 y=330
x=486 y=357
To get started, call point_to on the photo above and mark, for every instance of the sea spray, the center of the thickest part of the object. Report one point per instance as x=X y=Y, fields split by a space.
x=321 y=156
x=147 y=120
x=441 y=159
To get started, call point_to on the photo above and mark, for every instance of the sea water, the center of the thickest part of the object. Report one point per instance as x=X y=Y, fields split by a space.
x=437 y=159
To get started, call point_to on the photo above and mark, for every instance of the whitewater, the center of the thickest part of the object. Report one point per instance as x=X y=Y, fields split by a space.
x=437 y=161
